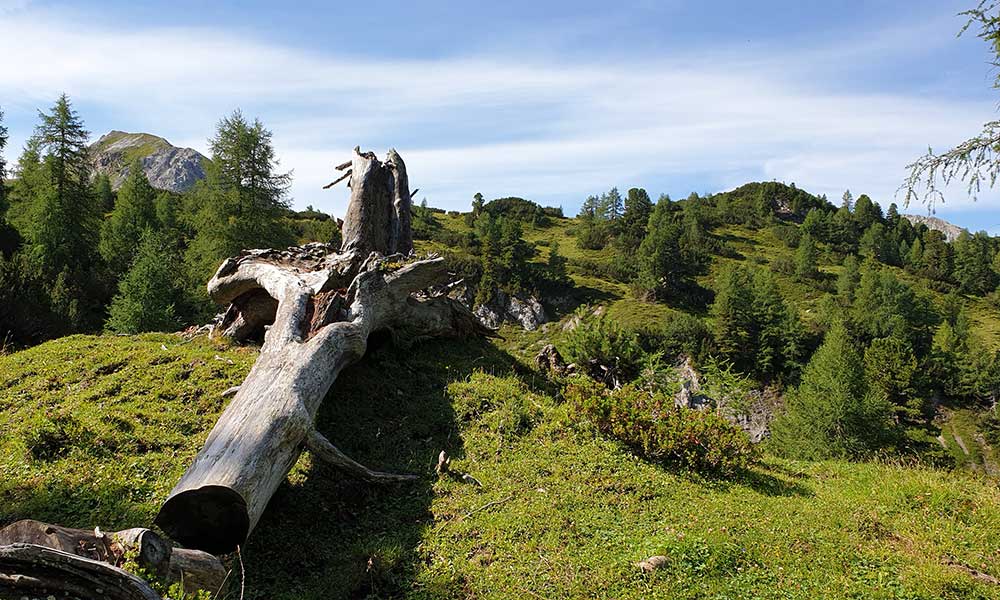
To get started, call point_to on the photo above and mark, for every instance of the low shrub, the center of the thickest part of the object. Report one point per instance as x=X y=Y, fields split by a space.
x=653 y=427
x=609 y=352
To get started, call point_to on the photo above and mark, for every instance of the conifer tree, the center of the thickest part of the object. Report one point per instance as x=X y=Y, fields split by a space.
x=611 y=205
x=134 y=212
x=661 y=267
x=734 y=317
x=892 y=216
x=915 y=257
x=104 y=197
x=65 y=223
x=514 y=256
x=592 y=227
x=847 y=201
x=891 y=373
x=146 y=294
x=775 y=328
x=557 y=265
x=59 y=217
x=632 y=229
x=805 y=258
x=973 y=270
x=488 y=230
x=848 y=280
x=866 y=212
x=937 y=256
x=241 y=201
x=832 y=414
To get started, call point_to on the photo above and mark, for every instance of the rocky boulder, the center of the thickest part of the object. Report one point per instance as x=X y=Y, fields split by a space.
x=752 y=413
x=527 y=312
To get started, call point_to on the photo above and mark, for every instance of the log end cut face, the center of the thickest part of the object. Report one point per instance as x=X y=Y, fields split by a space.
x=212 y=518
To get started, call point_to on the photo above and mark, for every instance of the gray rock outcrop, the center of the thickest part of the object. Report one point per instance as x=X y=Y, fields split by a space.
x=527 y=312
x=950 y=230
x=167 y=167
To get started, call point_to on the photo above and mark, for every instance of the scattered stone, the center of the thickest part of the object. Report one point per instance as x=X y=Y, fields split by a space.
x=548 y=359
x=652 y=563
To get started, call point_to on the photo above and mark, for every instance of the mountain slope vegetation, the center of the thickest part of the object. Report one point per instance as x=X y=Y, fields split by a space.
x=101 y=427
x=861 y=350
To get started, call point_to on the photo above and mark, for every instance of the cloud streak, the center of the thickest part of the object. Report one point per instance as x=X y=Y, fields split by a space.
x=547 y=129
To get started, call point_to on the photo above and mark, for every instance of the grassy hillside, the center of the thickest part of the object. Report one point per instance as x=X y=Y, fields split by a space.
x=97 y=430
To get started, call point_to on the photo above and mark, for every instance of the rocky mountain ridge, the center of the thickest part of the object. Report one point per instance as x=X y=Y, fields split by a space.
x=167 y=166
x=950 y=230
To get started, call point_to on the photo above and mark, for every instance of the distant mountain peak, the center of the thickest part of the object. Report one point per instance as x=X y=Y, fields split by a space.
x=950 y=230
x=167 y=166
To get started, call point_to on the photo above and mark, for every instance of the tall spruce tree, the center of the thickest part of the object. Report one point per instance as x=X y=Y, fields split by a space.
x=134 y=212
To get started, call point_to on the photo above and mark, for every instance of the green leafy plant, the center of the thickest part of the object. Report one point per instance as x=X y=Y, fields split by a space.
x=652 y=426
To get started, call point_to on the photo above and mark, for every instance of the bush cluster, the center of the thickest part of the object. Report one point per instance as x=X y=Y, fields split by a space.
x=653 y=427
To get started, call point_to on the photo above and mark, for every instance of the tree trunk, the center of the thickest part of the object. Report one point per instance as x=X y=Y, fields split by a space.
x=42 y=558
x=321 y=306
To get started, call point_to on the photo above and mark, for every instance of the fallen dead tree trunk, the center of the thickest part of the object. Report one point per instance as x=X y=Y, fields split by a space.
x=319 y=307
x=48 y=559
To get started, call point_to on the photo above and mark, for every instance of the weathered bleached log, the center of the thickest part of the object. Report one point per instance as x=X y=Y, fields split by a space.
x=33 y=569
x=196 y=569
x=326 y=307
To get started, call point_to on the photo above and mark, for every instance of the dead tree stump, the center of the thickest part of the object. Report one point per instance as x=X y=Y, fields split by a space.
x=317 y=307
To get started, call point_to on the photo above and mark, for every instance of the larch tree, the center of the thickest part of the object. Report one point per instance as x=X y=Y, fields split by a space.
x=831 y=414
x=146 y=294
x=65 y=223
x=805 y=258
x=241 y=201
x=104 y=196
x=973 y=270
x=976 y=161
x=60 y=218
x=134 y=212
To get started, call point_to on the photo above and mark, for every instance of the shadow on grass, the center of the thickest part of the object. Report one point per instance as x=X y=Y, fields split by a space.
x=763 y=479
x=326 y=536
x=572 y=299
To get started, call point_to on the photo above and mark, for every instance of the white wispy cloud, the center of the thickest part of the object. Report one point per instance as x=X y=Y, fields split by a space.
x=549 y=129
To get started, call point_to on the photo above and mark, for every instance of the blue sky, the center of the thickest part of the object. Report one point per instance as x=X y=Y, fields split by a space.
x=551 y=101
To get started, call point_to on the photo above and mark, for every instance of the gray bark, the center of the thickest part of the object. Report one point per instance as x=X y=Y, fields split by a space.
x=327 y=304
x=33 y=555
x=29 y=568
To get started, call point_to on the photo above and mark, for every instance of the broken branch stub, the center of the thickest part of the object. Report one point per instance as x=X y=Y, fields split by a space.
x=316 y=308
